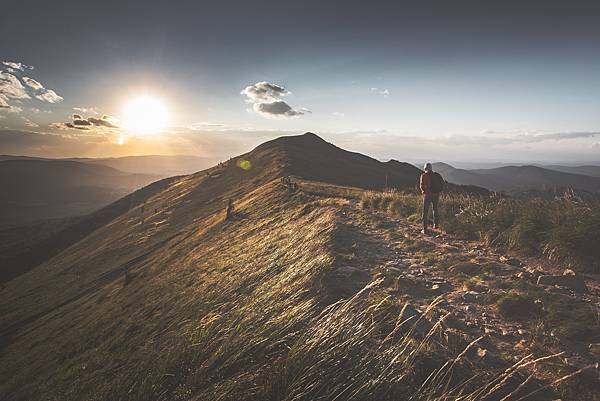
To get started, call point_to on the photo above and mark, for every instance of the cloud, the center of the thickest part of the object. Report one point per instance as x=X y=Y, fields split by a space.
x=17 y=66
x=276 y=109
x=338 y=114
x=86 y=110
x=266 y=101
x=264 y=92
x=32 y=83
x=11 y=87
x=81 y=123
x=382 y=92
x=49 y=96
x=29 y=123
x=206 y=125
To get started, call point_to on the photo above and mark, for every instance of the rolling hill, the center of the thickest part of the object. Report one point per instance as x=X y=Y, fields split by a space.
x=592 y=171
x=297 y=296
x=157 y=165
x=42 y=189
x=514 y=179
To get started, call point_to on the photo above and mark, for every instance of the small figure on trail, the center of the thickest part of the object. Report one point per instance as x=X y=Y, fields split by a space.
x=229 y=210
x=432 y=185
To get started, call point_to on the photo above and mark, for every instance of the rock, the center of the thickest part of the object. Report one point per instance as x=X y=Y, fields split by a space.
x=471 y=296
x=422 y=324
x=435 y=287
x=575 y=283
x=522 y=332
x=511 y=261
x=568 y=272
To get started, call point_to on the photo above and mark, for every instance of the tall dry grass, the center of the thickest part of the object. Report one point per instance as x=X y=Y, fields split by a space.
x=563 y=228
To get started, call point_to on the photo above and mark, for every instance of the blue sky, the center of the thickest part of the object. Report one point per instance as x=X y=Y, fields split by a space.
x=512 y=81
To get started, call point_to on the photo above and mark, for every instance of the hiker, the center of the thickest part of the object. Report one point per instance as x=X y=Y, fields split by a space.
x=432 y=185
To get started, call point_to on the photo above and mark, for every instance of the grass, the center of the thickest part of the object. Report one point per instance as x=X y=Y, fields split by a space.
x=230 y=310
x=561 y=229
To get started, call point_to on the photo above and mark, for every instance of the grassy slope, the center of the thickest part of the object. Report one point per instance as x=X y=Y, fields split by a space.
x=173 y=302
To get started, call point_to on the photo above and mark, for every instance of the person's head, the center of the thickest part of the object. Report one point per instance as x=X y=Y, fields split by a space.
x=428 y=167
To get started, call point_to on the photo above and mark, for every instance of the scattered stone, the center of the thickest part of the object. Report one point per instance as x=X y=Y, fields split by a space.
x=435 y=287
x=575 y=283
x=470 y=308
x=568 y=272
x=522 y=332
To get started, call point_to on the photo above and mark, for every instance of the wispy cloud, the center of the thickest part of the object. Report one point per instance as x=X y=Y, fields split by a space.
x=17 y=66
x=29 y=123
x=381 y=92
x=266 y=99
x=86 y=110
x=338 y=114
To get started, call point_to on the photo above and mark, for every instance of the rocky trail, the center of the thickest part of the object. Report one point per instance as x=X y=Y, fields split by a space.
x=516 y=306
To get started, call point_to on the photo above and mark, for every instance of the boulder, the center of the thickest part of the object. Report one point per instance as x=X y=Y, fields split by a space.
x=575 y=283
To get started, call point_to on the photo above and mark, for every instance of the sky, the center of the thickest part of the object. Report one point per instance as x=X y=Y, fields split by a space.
x=431 y=80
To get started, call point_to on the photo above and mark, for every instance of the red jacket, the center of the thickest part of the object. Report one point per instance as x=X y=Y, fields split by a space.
x=425 y=183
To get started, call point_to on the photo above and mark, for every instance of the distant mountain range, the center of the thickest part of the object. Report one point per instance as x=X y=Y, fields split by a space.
x=164 y=166
x=36 y=189
x=513 y=179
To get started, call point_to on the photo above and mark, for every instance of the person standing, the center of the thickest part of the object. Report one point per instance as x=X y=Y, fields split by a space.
x=432 y=185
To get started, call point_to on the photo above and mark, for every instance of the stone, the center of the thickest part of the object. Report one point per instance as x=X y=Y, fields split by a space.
x=471 y=296
x=422 y=324
x=511 y=261
x=575 y=283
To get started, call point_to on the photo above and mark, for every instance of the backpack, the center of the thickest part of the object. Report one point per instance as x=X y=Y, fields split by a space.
x=437 y=183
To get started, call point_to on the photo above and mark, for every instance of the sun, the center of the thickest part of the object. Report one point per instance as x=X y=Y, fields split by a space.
x=145 y=114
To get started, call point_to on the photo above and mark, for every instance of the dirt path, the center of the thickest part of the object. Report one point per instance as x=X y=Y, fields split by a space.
x=487 y=294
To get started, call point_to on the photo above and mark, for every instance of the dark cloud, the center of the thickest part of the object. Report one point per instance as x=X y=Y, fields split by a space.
x=105 y=121
x=266 y=100
x=81 y=123
x=277 y=109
